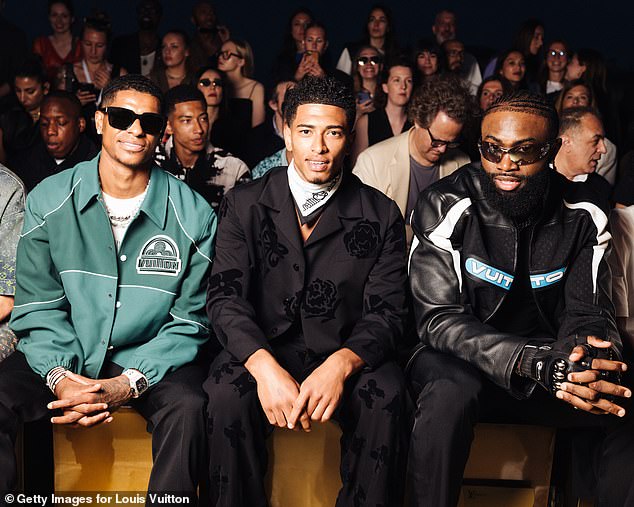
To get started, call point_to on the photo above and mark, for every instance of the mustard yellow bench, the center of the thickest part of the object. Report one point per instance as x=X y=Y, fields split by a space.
x=304 y=468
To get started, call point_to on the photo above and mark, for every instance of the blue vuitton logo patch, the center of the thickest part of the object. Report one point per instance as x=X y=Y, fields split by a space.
x=546 y=279
x=489 y=273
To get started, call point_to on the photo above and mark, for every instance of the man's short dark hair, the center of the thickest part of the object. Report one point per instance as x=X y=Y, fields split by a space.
x=183 y=93
x=571 y=118
x=63 y=95
x=441 y=93
x=133 y=82
x=320 y=90
x=523 y=101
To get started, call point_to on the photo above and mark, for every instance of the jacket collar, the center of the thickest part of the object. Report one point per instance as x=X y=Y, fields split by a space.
x=345 y=204
x=155 y=202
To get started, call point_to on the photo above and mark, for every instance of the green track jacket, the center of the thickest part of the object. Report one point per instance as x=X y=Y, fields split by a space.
x=79 y=302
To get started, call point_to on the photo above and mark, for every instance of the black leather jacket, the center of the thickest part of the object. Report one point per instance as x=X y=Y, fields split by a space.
x=463 y=259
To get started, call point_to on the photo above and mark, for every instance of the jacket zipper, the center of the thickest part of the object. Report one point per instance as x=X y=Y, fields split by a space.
x=497 y=307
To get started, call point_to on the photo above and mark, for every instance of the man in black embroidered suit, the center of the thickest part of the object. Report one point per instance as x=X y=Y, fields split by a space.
x=307 y=296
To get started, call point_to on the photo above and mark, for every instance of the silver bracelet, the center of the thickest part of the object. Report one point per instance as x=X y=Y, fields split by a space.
x=54 y=376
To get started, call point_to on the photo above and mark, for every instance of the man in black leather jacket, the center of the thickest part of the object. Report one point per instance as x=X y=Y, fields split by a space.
x=512 y=306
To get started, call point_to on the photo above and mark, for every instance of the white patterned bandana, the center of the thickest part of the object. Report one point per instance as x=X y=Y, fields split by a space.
x=310 y=198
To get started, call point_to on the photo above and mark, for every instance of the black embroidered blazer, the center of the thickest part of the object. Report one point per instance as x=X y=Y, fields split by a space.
x=345 y=285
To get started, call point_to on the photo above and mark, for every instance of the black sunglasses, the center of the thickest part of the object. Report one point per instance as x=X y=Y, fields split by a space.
x=216 y=83
x=121 y=118
x=524 y=154
x=372 y=60
x=226 y=54
x=439 y=143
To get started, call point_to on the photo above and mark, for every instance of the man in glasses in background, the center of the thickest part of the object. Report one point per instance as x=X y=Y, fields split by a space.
x=109 y=306
x=403 y=166
x=444 y=29
x=189 y=155
x=511 y=299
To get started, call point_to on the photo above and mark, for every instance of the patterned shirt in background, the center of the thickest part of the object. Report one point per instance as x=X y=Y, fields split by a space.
x=12 y=196
x=278 y=159
x=213 y=174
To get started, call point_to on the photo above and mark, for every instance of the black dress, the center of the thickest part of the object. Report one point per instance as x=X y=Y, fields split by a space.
x=379 y=128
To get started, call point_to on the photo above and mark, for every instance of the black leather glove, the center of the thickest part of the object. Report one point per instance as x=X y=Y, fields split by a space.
x=549 y=365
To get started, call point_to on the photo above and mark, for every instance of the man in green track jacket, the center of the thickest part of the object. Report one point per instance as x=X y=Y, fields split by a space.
x=111 y=277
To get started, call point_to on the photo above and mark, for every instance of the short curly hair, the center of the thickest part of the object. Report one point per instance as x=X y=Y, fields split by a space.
x=182 y=93
x=441 y=93
x=317 y=90
x=134 y=82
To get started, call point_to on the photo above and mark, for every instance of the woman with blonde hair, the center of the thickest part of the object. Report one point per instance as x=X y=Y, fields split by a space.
x=235 y=59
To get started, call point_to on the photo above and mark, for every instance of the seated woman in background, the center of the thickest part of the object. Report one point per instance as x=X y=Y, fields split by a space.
x=588 y=64
x=174 y=68
x=575 y=93
x=19 y=123
x=579 y=93
x=12 y=196
x=293 y=46
x=368 y=64
x=529 y=40
x=225 y=130
x=378 y=33
x=554 y=69
x=512 y=67
x=491 y=89
x=390 y=117
x=236 y=61
x=426 y=55
x=61 y=47
x=93 y=72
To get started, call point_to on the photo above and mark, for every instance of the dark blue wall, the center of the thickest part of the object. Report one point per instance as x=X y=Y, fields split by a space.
x=491 y=23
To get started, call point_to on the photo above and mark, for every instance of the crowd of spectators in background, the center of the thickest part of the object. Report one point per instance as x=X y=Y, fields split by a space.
x=244 y=118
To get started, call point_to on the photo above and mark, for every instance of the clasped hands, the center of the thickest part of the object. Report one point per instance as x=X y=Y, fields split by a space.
x=88 y=402
x=587 y=390
x=288 y=404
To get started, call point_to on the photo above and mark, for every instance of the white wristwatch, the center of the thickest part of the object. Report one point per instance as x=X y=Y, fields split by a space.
x=138 y=382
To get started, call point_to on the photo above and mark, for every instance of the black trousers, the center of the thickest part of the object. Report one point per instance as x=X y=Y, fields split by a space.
x=371 y=416
x=173 y=408
x=451 y=396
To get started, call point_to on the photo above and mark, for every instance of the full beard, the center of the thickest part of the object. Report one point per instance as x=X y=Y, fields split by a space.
x=523 y=205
